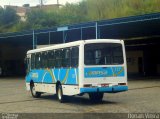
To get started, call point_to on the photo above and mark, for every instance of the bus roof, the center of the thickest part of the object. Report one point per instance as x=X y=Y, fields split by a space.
x=75 y=43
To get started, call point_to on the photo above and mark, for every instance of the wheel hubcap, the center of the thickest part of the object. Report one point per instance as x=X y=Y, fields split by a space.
x=33 y=90
x=59 y=94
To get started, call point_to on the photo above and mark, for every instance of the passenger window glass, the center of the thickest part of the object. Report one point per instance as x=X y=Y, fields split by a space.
x=27 y=65
x=103 y=54
x=58 y=58
x=66 y=58
x=51 y=59
x=44 y=59
x=38 y=61
x=74 y=57
x=32 y=61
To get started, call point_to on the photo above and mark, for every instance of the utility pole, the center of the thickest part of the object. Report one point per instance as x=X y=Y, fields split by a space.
x=57 y=2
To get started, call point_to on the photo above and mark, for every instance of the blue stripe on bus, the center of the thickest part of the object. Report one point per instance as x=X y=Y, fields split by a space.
x=111 y=89
x=97 y=72
x=65 y=76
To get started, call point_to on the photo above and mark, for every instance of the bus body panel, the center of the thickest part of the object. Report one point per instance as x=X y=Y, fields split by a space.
x=45 y=80
x=51 y=88
x=81 y=64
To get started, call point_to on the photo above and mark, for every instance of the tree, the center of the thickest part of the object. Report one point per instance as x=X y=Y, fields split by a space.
x=8 y=18
x=40 y=19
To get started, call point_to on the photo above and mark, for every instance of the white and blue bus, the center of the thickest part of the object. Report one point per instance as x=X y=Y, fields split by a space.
x=88 y=66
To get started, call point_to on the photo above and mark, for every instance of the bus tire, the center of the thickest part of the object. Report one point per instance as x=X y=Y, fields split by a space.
x=33 y=92
x=60 y=95
x=96 y=97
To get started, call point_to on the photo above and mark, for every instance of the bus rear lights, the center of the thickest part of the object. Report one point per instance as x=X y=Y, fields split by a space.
x=90 y=85
x=87 y=85
x=124 y=84
x=104 y=85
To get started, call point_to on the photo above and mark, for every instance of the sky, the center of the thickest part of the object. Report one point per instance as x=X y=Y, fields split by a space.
x=33 y=2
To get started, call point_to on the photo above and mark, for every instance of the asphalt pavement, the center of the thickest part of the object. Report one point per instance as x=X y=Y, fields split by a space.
x=143 y=97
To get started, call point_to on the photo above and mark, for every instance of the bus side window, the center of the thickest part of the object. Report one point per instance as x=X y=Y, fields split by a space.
x=51 y=59
x=33 y=61
x=66 y=57
x=27 y=65
x=58 y=58
x=44 y=59
x=74 y=56
x=38 y=61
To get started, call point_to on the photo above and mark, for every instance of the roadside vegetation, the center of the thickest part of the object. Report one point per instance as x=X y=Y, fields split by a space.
x=84 y=11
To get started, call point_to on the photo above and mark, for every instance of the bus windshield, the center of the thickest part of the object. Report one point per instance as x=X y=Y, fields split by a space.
x=103 y=54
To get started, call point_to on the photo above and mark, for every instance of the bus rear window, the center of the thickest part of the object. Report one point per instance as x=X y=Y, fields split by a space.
x=103 y=54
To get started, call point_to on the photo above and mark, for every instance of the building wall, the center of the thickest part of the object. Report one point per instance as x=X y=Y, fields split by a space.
x=132 y=61
x=158 y=68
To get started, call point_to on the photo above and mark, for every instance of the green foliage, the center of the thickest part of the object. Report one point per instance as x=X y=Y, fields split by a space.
x=108 y=9
x=8 y=18
x=73 y=13
x=84 y=11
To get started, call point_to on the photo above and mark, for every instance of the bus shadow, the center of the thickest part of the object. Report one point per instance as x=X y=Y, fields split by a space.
x=77 y=100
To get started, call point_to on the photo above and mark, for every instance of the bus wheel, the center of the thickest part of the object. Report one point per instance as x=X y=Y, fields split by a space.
x=33 y=91
x=60 y=95
x=96 y=97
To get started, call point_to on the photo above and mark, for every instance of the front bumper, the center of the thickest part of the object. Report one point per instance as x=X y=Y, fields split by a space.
x=110 y=89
